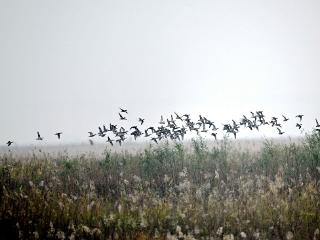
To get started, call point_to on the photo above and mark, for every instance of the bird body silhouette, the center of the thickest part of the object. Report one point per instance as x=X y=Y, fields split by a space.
x=110 y=141
x=39 y=138
x=214 y=135
x=285 y=118
x=101 y=132
x=141 y=120
x=124 y=110
x=300 y=116
x=280 y=132
x=58 y=134
x=122 y=117
x=161 y=120
x=91 y=134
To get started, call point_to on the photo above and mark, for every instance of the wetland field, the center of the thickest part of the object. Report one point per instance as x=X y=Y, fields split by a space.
x=266 y=189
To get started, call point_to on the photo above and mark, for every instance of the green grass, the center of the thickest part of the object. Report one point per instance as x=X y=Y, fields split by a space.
x=165 y=192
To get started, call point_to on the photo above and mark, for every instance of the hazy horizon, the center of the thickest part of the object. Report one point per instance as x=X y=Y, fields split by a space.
x=69 y=65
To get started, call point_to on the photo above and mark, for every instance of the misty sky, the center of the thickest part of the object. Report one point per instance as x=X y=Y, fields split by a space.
x=68 y=65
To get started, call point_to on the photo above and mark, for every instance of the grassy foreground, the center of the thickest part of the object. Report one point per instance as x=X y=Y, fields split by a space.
x=165 y=192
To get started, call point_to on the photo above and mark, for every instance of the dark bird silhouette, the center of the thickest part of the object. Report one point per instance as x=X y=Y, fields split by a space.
x=141 y=120
x=58 y=134
x=152 y=129
x=317 y=123
x=161 y=120
x=91 y=134
x=204 y=128
x=135 y=128
x=122 y=130
x=285 y=118
x=280 y=132
x=177 y=116
x=186 y=116
x=9 y=143
x=124 y=110
x=91 y=142
x=146 y=134
x=122 y=117
x=110 y=141
x=105 y=129
x=253 y=116
x=215 y=135
x=274 y=121
x=119 y=141
x=113 y=128
x=39 y=137
x=101 y=132
x=260 y=114
x=300 y=117
x=136 y=133
x=298 y=125
x=278 y=125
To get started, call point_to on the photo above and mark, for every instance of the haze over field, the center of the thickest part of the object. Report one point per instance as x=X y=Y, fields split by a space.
x=69 y=65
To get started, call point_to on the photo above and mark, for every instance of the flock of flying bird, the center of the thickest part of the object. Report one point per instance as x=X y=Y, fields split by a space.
x=177 y=126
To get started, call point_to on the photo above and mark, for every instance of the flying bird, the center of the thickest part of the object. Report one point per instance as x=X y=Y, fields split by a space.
x=122 y=130
x=186 y=116
x=9 y=143
x=298 y=125
x=285 y=118
x=280 y=132
x=39 y=137
x=141 y=120
x=300 y=117
x=177 y=116
x=122 y=117
x=119 y=141
x=58 y=134
x=91 y=134
x=318 y=125
x=146 y=134
x=161 y=120
x=215 y=135
x=135 y=128
x=110 y=141
x=105 y=129
x=124 y=110
x=101 y=132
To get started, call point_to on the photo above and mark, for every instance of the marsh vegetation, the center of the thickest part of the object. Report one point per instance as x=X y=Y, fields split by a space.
x=167 y=191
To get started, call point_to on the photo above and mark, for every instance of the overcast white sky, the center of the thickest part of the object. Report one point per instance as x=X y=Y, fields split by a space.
x=68 y=65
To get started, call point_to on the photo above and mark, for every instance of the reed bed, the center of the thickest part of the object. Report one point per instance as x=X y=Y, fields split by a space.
x=165 y=192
